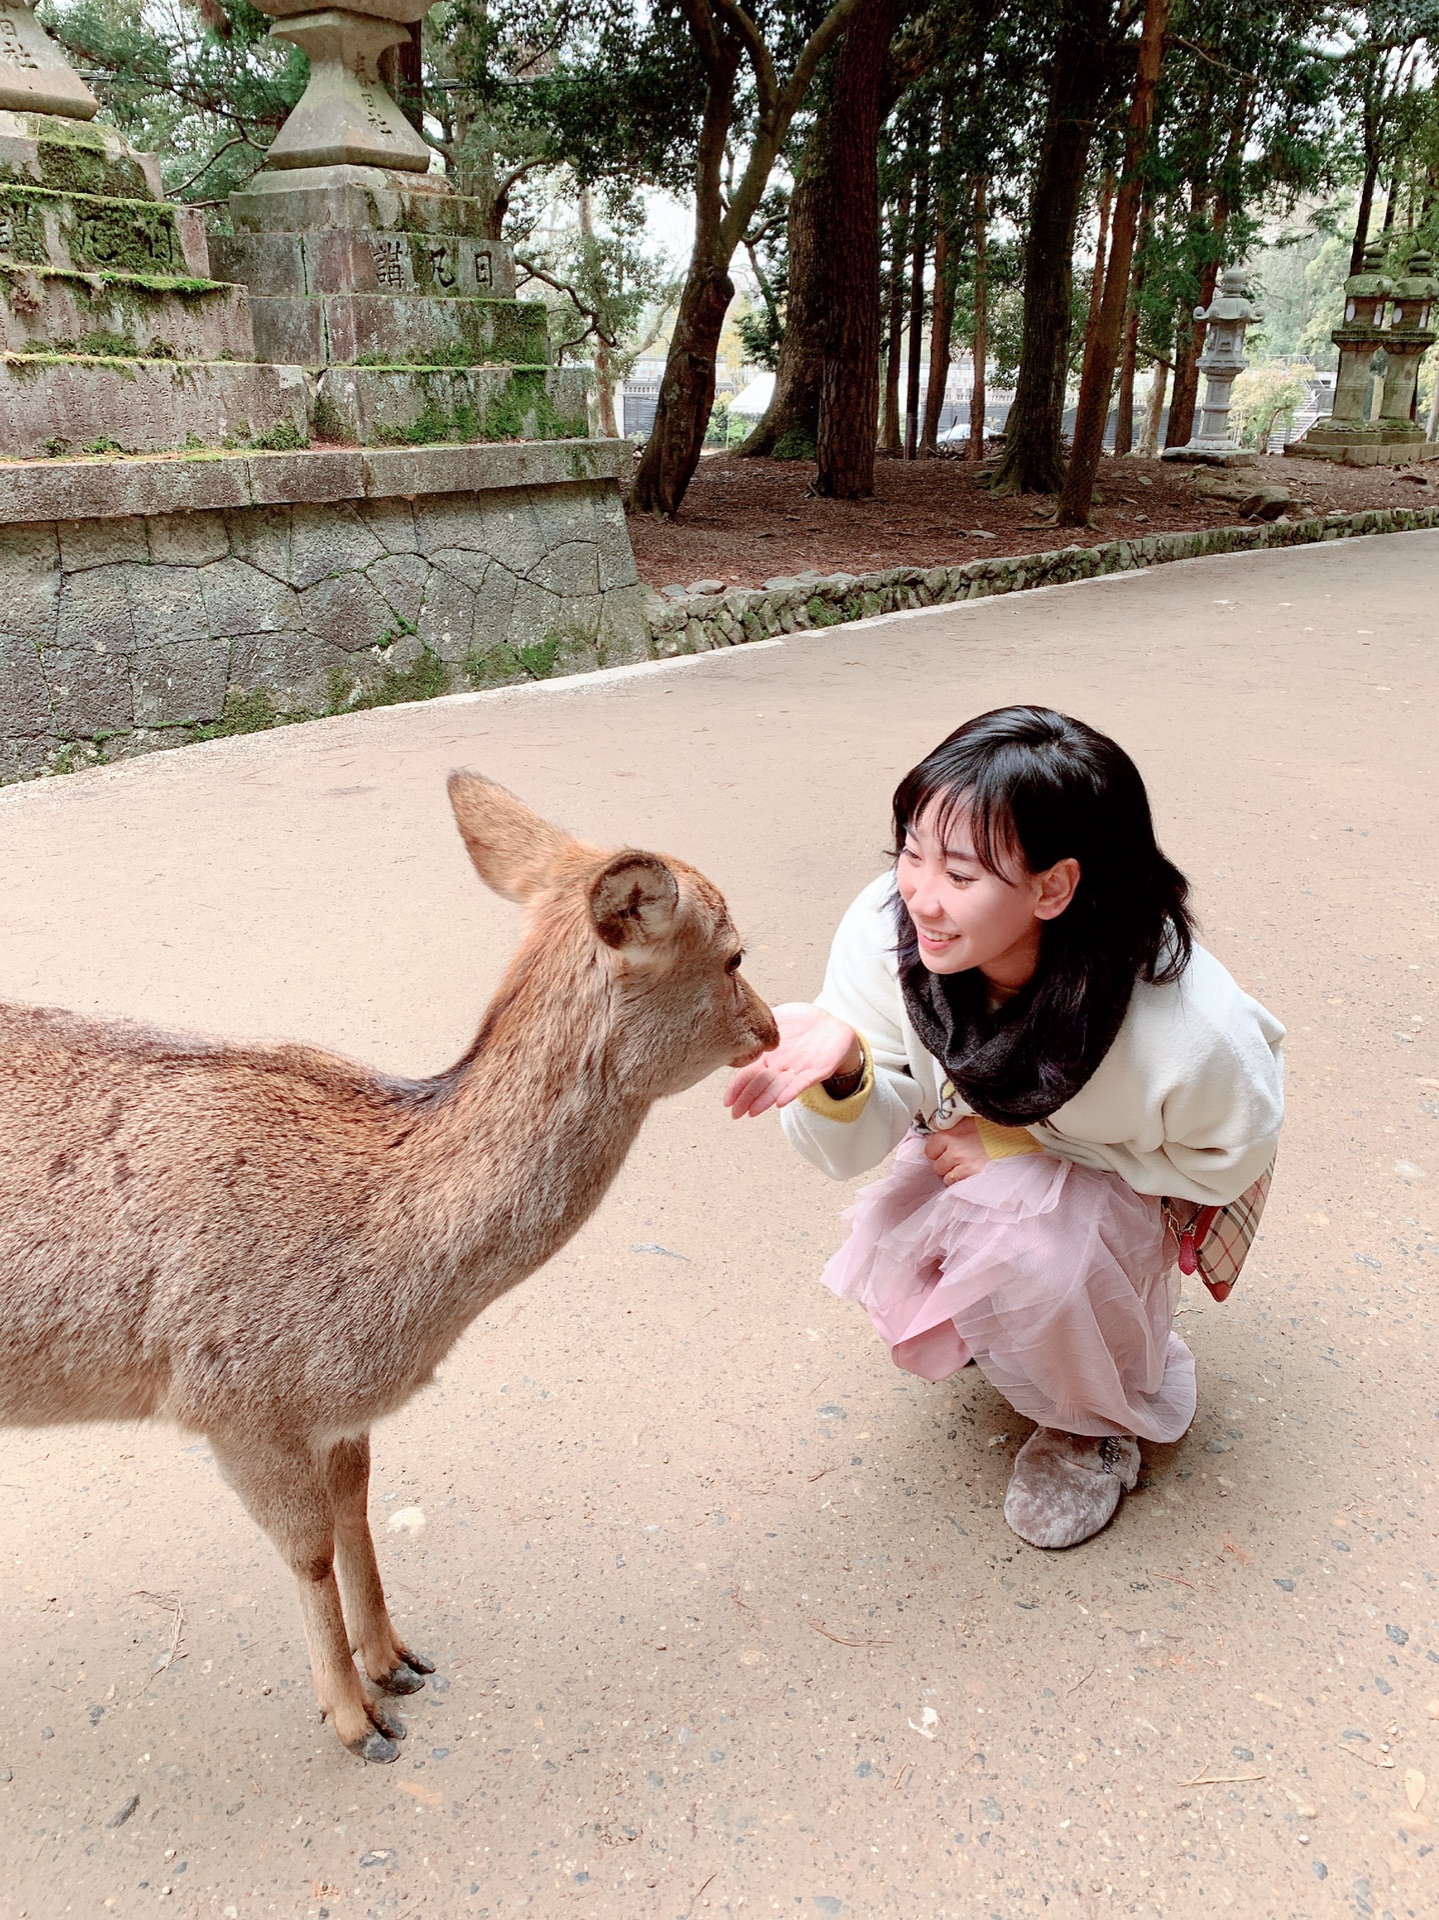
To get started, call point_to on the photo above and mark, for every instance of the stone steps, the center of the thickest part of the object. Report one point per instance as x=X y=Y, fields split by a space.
x=125 y=314
x=399 y=330
x=98 y=233
x=51 y=404
x=376 y=406
x=365 y=260
x=311 y=199
x=74 y=156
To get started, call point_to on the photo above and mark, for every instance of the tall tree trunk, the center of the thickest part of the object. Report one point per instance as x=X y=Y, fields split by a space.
x=918 y=246
x=1153 y=410
x=1124 y=398
x=1096 y=279
x=1124 y=405
x=605 y=424
x=1390 y=203
x=1364 y=214
x=979 y=343
x=941 y=333
x=1189 y=344
x=723 y=36
x=793 y=412
x=1103 y=347
x=849 y=382
x=1031 y=462
x=889 y=439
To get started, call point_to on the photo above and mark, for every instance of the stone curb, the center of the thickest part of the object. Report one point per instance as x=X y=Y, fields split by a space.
x=699 y=623
x=33 y=492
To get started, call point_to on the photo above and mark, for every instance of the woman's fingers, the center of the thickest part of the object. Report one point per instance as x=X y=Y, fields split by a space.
x=812 y=1046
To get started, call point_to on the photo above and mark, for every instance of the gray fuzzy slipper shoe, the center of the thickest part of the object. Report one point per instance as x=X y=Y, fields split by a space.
x=1066 y=1486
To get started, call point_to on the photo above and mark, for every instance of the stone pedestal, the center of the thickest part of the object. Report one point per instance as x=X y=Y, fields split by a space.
x=1228 y=316
x=389 y=290
x=34 y=75
x=115 y=338
x=260 y=576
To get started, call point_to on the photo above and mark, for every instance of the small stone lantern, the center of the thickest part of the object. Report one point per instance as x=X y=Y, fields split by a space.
x=1228 y=317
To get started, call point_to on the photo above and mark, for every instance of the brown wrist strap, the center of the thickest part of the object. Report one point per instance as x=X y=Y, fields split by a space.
x=841 y=1085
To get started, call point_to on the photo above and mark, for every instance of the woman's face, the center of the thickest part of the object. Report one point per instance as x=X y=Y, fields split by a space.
x=966 y=916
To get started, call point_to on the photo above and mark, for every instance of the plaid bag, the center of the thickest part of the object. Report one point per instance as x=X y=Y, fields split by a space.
x=1214 y=1241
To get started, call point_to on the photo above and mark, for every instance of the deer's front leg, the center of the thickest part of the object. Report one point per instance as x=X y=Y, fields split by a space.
x=383 y=1655
x=288 y=1493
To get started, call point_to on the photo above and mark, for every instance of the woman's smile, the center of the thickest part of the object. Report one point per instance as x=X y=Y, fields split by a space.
x=936 y=942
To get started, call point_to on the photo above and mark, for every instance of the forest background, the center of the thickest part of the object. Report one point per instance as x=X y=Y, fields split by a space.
x=1050 y=188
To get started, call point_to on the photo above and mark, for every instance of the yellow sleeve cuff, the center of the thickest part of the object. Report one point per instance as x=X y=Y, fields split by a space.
x=1000 y=1143
x=816 y=1100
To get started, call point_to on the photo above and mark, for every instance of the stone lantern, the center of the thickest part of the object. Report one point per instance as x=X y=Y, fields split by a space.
x=1410 y=334
x=1228 y=317
x=1346 y=434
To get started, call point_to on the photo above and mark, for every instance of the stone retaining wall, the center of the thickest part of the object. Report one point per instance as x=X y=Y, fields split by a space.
x=372 y=578
x=123 y=634
x=698 y=623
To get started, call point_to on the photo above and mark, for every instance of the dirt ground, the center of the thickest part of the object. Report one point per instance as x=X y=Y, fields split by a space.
x=725 y=1613
x=748 y=521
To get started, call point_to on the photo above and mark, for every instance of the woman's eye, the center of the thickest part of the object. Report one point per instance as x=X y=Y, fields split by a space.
x=959 y=879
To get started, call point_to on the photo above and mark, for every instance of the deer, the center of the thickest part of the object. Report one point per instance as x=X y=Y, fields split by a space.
x=273 y=1247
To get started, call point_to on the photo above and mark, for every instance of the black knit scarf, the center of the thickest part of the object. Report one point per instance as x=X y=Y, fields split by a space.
x=1021 y=1062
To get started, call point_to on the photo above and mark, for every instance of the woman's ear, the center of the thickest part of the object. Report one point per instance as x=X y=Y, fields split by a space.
x=1056 y=889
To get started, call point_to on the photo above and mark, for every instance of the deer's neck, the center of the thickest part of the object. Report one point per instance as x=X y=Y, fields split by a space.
x=514 y=1148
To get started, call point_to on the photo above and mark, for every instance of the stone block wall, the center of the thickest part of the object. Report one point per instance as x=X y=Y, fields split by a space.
x=134 y=631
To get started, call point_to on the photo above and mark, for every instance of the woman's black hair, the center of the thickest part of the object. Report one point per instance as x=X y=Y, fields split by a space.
x=1035 y=786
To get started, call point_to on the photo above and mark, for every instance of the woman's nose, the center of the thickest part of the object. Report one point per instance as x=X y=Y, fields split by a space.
x=922 y=896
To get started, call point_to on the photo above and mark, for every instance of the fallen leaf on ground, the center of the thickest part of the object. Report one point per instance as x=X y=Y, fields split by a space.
x=427 y=1796
x=1414 y=1784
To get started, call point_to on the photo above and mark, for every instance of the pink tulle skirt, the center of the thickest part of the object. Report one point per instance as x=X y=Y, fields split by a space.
x=1052 y=1277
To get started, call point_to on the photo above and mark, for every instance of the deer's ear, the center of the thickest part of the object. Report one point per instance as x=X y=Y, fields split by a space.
x=634 y=900
x=515 y=852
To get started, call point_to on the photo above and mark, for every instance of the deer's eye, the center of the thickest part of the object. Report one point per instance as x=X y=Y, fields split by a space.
x=732 y=965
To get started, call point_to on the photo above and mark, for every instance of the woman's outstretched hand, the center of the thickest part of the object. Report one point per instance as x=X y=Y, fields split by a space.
x=813 y=1046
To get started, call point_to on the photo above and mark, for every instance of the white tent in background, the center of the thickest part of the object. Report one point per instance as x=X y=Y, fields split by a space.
x=751 y=401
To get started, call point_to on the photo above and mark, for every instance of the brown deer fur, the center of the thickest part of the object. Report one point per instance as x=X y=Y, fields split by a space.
x=274 y=1247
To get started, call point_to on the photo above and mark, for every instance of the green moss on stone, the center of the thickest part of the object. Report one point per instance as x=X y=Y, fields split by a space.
x=494 y=667
x=539 y=659
x=519 y=408
x=134 y=236
x=284 y=437
x=427 y=679
x=246 y=711
x=797 y=444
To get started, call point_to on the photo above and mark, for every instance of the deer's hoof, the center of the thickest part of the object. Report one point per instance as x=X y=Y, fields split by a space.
x=417 y=1661
x=375 y=1747
x=392 y=1728
x=403 y=1678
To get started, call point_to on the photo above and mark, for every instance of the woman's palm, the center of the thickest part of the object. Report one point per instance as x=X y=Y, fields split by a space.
x=813 y=1046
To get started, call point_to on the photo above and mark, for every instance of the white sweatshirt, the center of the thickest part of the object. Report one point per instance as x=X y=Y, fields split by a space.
x=1187 y=1102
